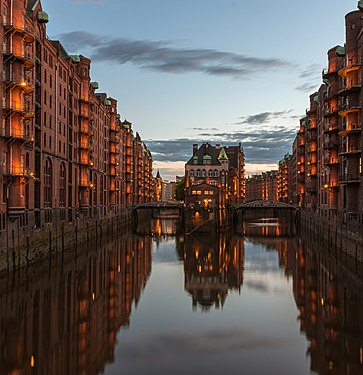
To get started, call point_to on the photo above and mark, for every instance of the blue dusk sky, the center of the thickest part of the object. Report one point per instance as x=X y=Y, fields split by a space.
x=224 y=71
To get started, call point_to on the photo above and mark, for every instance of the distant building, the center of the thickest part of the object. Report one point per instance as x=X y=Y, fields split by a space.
x=214 y=176
x=158 y=186
x=168 y=191
x=262 y=186
x=284 y=190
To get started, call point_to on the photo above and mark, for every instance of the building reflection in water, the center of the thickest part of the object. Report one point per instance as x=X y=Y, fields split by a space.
x=159 y=228
x=65 y=321
x=212 y=265
x=328 y=292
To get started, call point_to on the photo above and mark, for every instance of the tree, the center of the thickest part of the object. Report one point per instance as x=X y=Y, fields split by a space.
x=180 y=190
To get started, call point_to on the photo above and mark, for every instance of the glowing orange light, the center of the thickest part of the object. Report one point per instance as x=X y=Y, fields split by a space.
x=32 y=361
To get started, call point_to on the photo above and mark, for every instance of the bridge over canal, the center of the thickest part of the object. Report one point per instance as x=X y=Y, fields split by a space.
x=260 y=209
x=160 y=210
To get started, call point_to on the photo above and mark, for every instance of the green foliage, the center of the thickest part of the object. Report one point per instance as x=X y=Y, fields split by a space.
x=180 y=189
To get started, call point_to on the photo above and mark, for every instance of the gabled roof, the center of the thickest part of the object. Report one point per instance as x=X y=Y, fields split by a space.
x=222 y=155
x=205 y=149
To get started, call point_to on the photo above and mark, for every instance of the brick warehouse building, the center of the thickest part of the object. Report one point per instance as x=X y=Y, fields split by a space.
x=65 y=153
x=328 y=149
x=214 y=176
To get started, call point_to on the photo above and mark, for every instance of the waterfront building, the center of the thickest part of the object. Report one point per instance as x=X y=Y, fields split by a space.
x=262 y=186
x=218 y=167
x=284 y=192
x=66 y=154
x=158 y=186
x=328 y=145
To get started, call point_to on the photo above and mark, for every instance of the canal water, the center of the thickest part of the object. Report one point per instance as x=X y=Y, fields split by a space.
x=257 y=300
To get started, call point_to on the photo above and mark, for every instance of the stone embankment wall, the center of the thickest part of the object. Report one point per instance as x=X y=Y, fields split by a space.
x=337 y=236
x=18 y=250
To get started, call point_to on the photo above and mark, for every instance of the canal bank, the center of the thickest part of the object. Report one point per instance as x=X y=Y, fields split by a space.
x=22 y=246
x=346 y=237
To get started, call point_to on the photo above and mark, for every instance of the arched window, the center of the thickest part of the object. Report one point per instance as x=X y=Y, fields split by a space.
x=48 y=183
x=204 y=173
x=210 y=173
x=215 y=173
x=191 y=173
x=62 y=185
x=198 y=173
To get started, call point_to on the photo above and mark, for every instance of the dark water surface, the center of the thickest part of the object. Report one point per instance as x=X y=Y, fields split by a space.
x=258 y=301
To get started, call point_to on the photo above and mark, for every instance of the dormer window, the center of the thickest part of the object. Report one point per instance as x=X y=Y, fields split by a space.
x=207 y=160
x=195 y=159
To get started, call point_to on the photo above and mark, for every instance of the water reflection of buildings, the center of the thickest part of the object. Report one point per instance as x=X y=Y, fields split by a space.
x=212 y=266
x=329 y=296
x=328 y=292
x=66 y=321
x=267 y=228
x=159 y=227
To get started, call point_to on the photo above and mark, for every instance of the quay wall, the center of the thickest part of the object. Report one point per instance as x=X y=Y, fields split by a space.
x=348 y=239
x=23 y=243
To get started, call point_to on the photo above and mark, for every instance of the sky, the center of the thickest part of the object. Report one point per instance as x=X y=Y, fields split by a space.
x=193 y=71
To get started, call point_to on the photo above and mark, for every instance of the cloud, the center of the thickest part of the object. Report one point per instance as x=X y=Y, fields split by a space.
x=312 y=78
x=261 y=146
x=167 y=57
x=312 y=71
x=308 y=87
x=263 y=118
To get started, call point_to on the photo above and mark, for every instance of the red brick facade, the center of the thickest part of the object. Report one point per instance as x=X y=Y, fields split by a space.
x=64 y=150
x=328 y=150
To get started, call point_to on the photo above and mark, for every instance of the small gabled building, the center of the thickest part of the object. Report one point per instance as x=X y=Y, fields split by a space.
x=218 y=167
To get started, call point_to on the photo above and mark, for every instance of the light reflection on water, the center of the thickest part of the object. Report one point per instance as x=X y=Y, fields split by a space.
x=256 y=301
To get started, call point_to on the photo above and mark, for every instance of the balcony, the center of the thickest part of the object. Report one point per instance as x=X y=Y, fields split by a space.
x=84 y=146
x=113 y=137
x=344 y=110
x=85 y=114
x=331 y=111
x=329 y=143
x=18 y=171
x=351 y=129
x=312 y=137
x=352 y=64
x=311 y=150
x=25 y=135
x=349 y=150
x=85 y=99
x=84 y=161
x=19 y=26
x=350 y=178
x=25 y=109
x=26 y=57
x=352 y=85
x=330 y=161
x=26 y=84
x=113 y=161
x=333 y=184
x=331 y=128
x=113 y=172
x=86 y=130
x=113 y=150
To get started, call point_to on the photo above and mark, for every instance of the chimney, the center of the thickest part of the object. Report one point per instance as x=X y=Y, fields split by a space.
x=195 y=148
x=218 y=147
